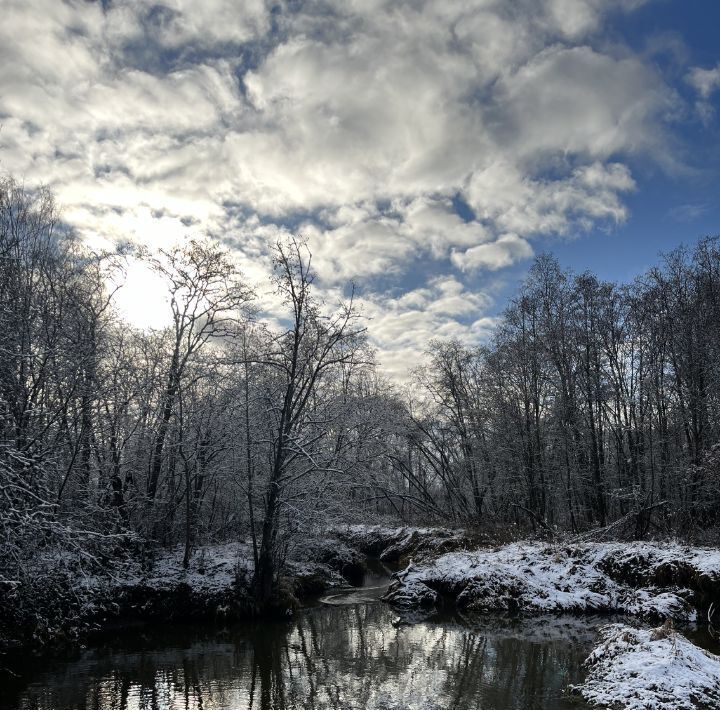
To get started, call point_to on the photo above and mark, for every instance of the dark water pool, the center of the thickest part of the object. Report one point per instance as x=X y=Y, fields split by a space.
x=350 y=653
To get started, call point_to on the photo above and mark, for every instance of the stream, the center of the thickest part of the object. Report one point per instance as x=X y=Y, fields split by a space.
x=349 y=650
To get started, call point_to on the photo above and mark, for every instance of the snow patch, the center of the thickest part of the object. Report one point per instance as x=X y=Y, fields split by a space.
x=656 y=669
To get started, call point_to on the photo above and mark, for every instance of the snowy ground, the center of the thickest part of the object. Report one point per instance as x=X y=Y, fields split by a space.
x=656 y=669
x=64 y=598
x=646 y=580
x=219 y=571
x=212 y=569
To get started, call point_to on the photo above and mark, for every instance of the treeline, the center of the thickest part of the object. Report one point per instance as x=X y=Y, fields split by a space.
x=592 y=403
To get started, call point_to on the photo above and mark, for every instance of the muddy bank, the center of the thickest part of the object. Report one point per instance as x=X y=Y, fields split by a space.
x=398 y=544
x=646 y=580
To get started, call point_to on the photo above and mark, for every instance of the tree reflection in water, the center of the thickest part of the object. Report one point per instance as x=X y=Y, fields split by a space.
x=329 y=657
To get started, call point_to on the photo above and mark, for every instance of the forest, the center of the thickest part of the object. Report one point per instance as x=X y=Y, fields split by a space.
x=594 y=409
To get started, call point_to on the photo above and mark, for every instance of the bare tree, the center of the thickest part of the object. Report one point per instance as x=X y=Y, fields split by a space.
x=206 y=296
x=300 y=363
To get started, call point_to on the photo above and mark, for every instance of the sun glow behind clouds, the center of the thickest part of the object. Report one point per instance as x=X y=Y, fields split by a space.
x=142 y=296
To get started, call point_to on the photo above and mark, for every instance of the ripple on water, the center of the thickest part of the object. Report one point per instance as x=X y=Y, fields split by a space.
x=355 y=595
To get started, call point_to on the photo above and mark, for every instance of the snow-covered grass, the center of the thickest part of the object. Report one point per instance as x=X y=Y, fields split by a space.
x=656 y=669
x=646 y=580
x=212 y=569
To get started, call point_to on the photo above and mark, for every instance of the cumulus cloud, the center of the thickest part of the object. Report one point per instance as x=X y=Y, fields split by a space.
x=393 y=135
x=504 y=251
x=512 y=200
x=363 y=241
x=403 y=325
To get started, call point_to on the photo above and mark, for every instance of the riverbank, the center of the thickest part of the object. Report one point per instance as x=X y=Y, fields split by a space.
x=525 y=593
x=65 y=599
x=653 y=581
x=442 y=568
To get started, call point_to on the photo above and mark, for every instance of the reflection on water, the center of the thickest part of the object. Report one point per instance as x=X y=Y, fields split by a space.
x=355 y=656
x=351 y=651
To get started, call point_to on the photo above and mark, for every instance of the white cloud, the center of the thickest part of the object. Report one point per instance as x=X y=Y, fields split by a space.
x=579 y=101
x=504 y=251
x=358 y=123
x=577 y=18
x=402 y=326
x=362 y=241
x=524 y=205
x=210 y=22
x=366 y=247
x=706 y=82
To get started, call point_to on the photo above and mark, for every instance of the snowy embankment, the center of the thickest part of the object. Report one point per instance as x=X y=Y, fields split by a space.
x=656 y=669
x=392 y=544
x=646 y=580
x=218 y=581
x=64 y=599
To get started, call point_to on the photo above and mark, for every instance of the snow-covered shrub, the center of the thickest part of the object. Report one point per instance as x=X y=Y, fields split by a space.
x=48 y=563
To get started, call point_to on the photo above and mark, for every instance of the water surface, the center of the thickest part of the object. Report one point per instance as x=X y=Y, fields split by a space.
x=351 y=652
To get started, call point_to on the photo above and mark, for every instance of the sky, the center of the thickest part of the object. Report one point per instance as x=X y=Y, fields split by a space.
x=426 y=149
